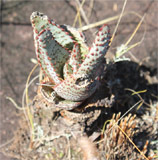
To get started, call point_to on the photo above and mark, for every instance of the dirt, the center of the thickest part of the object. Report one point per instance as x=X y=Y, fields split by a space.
x=113 y=96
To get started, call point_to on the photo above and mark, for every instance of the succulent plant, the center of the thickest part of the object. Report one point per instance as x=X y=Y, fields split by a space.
x=71 y=67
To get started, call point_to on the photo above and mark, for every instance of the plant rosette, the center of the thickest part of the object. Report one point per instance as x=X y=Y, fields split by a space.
x=72 y=70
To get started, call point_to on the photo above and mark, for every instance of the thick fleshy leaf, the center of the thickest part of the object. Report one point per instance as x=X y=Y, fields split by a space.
x=76 y=89
x=52 y=56
x=79 y=38
x=96 y=54
x=56 y=101
x=40 y=21
x=50 y=43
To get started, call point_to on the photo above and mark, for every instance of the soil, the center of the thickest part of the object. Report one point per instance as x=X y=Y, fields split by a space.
x=70 y=131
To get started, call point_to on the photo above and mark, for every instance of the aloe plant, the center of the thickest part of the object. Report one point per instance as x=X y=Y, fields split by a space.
x=72 y=69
